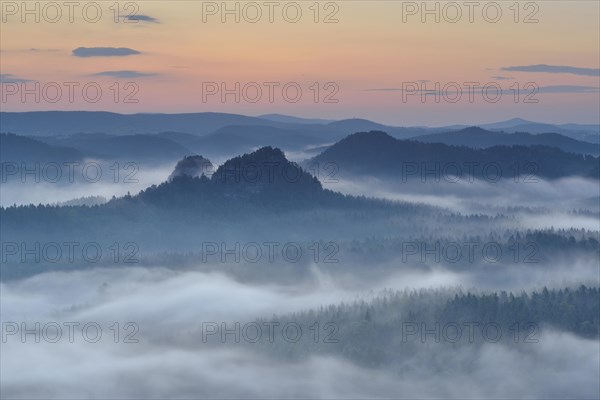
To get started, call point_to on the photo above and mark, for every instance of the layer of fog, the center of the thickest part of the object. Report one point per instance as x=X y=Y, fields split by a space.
x=176 y=297
x=179 y=297
x=307 y=152
x=552 y=199
x=167 y=304
x=109 y=182
x=560 y=366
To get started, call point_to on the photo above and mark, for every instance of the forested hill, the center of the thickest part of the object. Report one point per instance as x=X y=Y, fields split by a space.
x=264 y=177
x=378 y=154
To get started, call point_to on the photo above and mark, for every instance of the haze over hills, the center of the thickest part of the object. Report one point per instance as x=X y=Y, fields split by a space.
x=57 y=123
x=512 y=125
x=21 y=149
x=39 y=123
x=516 y=122
x=236 y=139
x=44 y=123
x=584 y=132
x=532 y=153
x=135 y=148
x=219 y=135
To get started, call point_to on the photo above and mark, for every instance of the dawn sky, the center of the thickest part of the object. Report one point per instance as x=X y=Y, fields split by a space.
x=374 y=62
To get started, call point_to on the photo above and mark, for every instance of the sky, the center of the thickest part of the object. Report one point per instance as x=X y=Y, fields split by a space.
x=387 y=61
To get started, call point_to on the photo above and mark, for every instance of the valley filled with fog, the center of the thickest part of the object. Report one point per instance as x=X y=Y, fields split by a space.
x=333 y=200
x=312 y=260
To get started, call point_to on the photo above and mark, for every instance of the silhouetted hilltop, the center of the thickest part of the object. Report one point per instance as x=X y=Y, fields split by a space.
x=264 y=177
x=193 y=166
x=266 y=166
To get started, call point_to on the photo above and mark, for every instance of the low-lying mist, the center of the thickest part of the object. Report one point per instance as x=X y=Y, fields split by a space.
x=103 y=178
x=138 y=330
x=552 y=200
x=171 y=360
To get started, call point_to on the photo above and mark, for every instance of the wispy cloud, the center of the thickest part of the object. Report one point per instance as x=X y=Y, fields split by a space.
x=104 y=52
x=503 y=78
x=143 y=18
x=35 y=49
x=124 y=74
x=554 y=69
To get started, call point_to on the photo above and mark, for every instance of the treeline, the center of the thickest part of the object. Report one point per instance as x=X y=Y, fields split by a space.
x=395 y=326
x=284 y=248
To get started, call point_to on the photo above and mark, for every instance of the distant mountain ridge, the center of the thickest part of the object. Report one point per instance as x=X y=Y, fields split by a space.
x=52 y=123
x=44 y=123
x=480 y=138
x=21 y=149
x=584 y=132
x=137 y=148
x=218 y=136
x=292 y=119
x=130 y=148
